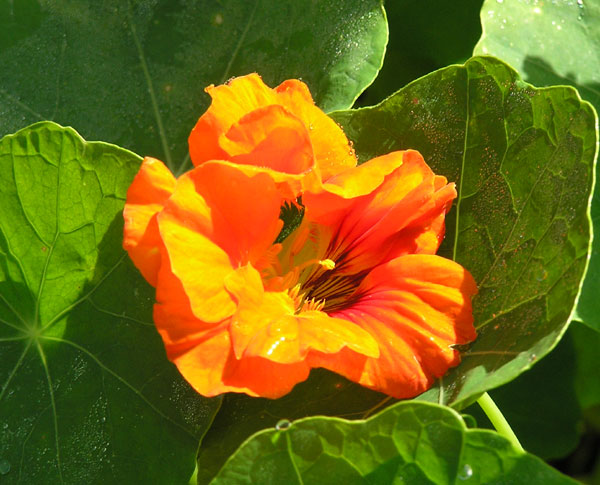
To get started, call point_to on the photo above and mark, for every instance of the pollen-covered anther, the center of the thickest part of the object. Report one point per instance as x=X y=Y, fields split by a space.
x=328 y=264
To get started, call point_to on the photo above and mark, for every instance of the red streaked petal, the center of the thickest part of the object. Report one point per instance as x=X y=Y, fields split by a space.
x=416 y=307
x=384 y=208
x=146 y=197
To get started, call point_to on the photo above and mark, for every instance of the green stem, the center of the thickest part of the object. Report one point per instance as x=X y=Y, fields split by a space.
x=498 y=420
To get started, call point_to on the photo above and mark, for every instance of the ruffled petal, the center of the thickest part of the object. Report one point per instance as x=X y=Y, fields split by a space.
x=230 y=102
x=266 y=325
x=209 y=228
x=270 y=137
x=416 y=307
x=387 y=207
x=333 y=152
x=245 y=204
x=146 y=197
x=203 y=354
x=262 y=377
x=248 y=98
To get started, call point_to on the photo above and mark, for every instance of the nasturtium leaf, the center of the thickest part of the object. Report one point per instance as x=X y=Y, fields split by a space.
x=551 y=43
x=133 y=73
x=240 y=416
x=410 y=442
x=541 y=404
x=87 y=394
x=424 y=36
x=522 y=159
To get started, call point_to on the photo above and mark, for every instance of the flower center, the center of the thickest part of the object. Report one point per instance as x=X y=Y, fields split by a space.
x=322 y=289
x=334 y=291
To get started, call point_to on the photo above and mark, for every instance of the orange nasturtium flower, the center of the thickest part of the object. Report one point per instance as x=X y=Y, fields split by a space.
x=356 y=288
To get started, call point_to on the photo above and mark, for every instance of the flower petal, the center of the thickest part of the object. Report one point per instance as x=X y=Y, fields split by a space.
x=230 y=102
x=242 y=96
x=266 y=325
x=270 y=136
x=333 y=152
x=146 y=197
x=208 y=228
x=389 y=206
x=416 y=307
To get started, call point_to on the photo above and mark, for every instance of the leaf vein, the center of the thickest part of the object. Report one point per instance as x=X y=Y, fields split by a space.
x=131 y=387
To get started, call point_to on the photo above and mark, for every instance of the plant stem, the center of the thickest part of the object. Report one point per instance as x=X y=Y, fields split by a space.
x=498 y=420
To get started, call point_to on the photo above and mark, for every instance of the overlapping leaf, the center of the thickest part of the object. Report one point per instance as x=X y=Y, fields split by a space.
x=133 y=72
x=415 y=443
x=424 y=36
x=324 y=393
x=553 y=43
x=87 y=395
x=523 y=160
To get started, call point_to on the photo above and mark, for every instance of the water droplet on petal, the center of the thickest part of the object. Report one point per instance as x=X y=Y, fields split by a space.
x=282 y=425
x=466 y=473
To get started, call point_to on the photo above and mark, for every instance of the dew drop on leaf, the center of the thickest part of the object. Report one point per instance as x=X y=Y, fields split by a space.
x=466 y=473
x=4 y=466
x=282 y=424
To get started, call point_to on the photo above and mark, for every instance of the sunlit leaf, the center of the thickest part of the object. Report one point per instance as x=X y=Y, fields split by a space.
x=553 y=43
x=416 y=443
x=87 y=394
x=522 y=159
x=133 y=72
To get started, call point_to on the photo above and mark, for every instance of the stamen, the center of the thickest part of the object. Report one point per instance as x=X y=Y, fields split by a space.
x=328 y=264
x=312 y=305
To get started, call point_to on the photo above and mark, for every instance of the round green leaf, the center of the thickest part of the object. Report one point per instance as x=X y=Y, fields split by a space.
x=522 y=159
x=240 y=416
x=87 y=393
x=550 y=43
x=413 y=443
x=133 y=73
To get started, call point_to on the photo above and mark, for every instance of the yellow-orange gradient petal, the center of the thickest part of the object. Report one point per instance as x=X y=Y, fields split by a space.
x=248 y=98
x=267 y=325
x=209 y=227
x=146 y=196
x=245 y=207
x=270 y=137
x=204 y=355
x=389 y=206
x=416 y=307
x=230 y=102
x=333 y=152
